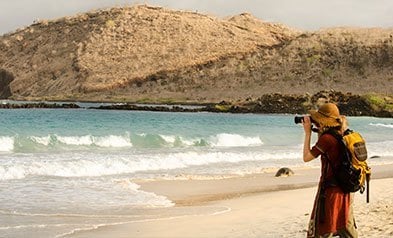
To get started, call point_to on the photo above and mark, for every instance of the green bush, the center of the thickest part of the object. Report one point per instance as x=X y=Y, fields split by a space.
x=380 y=102
x=223 y=108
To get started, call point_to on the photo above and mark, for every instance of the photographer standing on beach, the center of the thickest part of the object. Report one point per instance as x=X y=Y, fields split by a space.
x=332 y=213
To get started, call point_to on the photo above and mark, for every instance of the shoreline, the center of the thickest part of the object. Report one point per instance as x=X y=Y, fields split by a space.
x=349 y=105
x=250 y=206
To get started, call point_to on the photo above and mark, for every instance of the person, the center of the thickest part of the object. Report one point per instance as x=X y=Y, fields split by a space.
x=332 y=213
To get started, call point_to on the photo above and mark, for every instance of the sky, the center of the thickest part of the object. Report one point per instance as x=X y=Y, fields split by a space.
x=301 y=14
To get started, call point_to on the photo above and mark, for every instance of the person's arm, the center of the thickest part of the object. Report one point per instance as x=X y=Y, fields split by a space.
x=307 y=156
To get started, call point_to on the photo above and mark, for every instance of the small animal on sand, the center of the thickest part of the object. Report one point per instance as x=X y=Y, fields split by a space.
x=284 y=172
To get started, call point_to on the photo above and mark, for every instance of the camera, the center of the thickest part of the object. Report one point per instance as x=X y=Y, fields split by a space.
x=299 y=119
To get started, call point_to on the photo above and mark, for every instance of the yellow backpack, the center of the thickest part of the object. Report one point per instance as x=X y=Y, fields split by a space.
x=352 y=173
x=356 y=146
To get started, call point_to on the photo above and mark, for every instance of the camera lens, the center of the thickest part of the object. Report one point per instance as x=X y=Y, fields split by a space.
x=298 y=119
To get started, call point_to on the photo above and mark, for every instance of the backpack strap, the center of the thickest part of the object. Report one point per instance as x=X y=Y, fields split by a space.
x=343 y=150
x=342 y=145
x=367 y=188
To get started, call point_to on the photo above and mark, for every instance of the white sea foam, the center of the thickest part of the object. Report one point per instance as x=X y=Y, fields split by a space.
x=88 y=197
x=169 y=139
x=43 y=140
x=36 y=226
x=142 y=198
x=234 y=140
x=91 y=164
x=219 y=140
x=381 y=125
x=112 y=141
x=179 y=140
x=384 y=148
x=101 y=141
x=6 y=144
x=28 y=214
x=89 y=142
x=95 y=165
x=190 y=142
x=15 y=171
x=75 y=140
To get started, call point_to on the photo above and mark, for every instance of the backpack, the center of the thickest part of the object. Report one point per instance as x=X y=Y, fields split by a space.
x=352 y=174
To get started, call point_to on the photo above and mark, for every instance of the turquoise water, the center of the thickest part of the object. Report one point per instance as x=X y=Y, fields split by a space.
x=143 y=129
x=58 y=166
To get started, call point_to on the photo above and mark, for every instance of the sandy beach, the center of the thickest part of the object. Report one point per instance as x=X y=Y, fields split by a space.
x=252 y=206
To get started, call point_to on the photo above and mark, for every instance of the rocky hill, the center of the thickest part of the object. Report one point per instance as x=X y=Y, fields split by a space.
x=153 y=54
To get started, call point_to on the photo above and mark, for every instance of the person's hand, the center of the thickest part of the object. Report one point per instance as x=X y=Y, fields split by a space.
x=307 y=125
x=307 y=156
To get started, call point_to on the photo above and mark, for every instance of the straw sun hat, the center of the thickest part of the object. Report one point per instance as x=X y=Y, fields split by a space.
x=327 y=115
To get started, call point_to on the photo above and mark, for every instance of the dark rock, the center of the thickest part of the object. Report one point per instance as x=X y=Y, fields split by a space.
x=38 y=105
x=284 y=172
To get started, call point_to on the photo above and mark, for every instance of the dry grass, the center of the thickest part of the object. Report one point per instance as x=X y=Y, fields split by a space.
x=142 y=40
x=143 y=52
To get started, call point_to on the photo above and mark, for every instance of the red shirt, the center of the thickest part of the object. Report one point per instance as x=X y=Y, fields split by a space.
x=328 y=147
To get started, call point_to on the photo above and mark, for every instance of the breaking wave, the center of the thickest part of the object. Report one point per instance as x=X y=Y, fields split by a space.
x=90 y=164
x=6 y=144
x=54 y=142
x=382 y=125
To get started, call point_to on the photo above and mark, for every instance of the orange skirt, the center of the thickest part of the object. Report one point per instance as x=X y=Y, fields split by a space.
x=330 y=212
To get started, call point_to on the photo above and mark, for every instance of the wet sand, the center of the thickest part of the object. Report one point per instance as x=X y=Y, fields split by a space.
x=258 y=205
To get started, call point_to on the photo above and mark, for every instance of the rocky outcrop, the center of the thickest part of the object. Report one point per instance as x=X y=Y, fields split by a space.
x=350 y=105
x=38 y=105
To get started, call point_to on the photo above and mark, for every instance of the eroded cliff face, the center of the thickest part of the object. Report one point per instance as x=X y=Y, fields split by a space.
x=152 y=54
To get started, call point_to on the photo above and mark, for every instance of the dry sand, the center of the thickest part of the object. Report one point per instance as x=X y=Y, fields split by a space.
x=254 y=206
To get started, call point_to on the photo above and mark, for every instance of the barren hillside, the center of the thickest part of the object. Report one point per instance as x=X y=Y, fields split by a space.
x=152 y=54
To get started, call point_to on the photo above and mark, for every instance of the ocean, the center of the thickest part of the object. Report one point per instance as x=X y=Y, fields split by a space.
x=64 y=170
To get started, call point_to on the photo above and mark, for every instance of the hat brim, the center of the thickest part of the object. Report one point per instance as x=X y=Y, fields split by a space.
x=323 y=120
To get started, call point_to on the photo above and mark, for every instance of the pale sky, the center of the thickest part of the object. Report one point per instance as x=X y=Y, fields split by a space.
x=302 y=14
